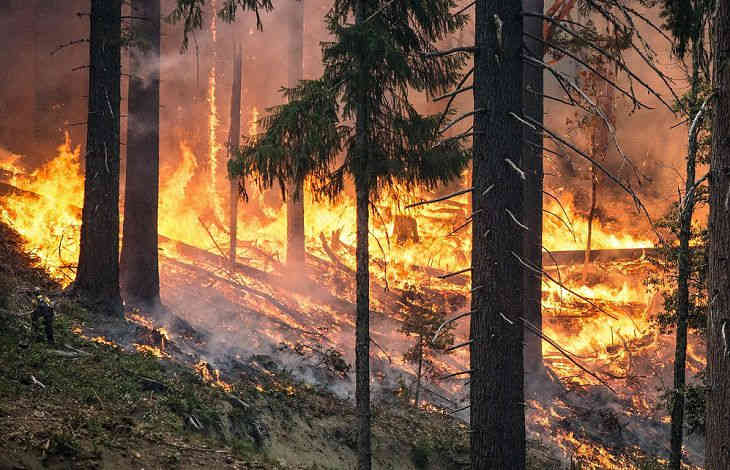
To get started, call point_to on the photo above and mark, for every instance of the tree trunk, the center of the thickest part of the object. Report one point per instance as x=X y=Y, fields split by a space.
x=362 y=274
x=600 y=136
x=295 y=249
x=420 y=370
x=532 y=165
x=717 y=453
x=362 y=323
x=234 y=138
x=591 y=214
x=97 y=277
x=497 y=361
x=139 y=270
x=684 y=273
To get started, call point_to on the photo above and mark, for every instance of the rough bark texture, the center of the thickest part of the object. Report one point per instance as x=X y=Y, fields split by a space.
x=717 y=453
x=683 y=275
x=497 y=363
x=139 y=271
x=362 y=326
x=97 y=277
x=362 y=274
x=234 y=139
x=295 y=201
x=532 y=165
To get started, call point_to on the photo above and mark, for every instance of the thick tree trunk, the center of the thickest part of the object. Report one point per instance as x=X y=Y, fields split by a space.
x=684 y=273
x=295 y=198
x=234 y=139
x=497 y=361
x=532 y=165
x=97 y=277
x=717 y=453
x=139 y=271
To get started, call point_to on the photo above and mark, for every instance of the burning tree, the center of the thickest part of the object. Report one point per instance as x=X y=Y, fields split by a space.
x=423 y=318
x=371 y=66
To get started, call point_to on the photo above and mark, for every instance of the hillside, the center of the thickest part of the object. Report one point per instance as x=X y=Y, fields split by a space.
x=88 y=403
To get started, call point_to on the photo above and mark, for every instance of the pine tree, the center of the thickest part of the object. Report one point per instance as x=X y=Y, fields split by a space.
x=295 y=249
x=97 y=277
x=139 y=271
x=717 y=437
x=424 y=318
x=688 y=23
x=370 y=66
x=496 y=331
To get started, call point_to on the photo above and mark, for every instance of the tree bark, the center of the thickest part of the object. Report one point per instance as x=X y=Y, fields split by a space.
x=532 y=165
x=717 y=453
x=97 y=277
x=497 y=361
x=684 y=273
x=234 y=139
x=362 y=274
x=139 y=271
x=295 y=249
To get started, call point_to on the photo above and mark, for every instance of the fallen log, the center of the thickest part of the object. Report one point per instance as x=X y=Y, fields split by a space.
x=568 y=258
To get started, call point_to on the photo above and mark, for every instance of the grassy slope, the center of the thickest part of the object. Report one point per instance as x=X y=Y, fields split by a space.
x=106 y=408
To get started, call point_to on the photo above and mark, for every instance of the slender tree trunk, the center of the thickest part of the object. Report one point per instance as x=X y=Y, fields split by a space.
x=97 y=277
x=497 y=361
x=591 y=214
x=532 y=165
x=362 y=274
x=234 y=138
x=684 y=273
x=420 y=370
x=717 y=438
x=600 y=136
x=362 y=323
x=295 y=250
x=139 y=271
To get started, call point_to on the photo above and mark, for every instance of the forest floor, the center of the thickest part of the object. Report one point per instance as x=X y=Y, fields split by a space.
x=85 y=403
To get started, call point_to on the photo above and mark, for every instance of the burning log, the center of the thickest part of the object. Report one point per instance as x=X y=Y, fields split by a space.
x=608 y=255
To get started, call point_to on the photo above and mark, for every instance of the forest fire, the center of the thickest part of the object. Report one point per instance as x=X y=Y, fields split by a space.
x=604 y=320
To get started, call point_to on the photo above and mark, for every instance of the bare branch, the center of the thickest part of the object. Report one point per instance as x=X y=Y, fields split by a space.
x=461 y=118
x=450 y=320
x=535 y=269
x=442 y=198
x=455 y=273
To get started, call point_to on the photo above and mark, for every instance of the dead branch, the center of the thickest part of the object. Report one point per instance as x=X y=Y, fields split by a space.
x=451 y=100
x=455 y=273
x=461 y=118
x=439 y=199
x=450 y=320
x=535 y=269
x=534 y=330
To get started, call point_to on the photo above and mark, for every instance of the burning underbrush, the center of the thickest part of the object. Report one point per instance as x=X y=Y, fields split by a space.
x=598 y=403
